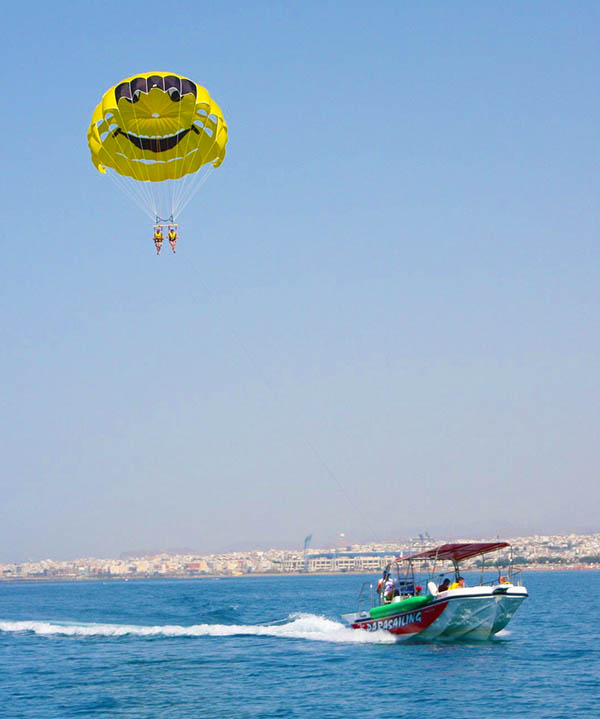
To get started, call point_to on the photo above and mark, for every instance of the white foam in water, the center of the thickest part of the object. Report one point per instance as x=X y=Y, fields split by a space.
x=300 y=626
x=503 y=633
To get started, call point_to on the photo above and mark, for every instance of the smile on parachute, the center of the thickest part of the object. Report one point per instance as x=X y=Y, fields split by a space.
x=171 y=89
x=156 y=144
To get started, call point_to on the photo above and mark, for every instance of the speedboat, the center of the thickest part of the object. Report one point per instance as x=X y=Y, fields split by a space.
x=423 y=596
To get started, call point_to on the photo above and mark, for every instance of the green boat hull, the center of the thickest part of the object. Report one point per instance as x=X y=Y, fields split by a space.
x=406 y=605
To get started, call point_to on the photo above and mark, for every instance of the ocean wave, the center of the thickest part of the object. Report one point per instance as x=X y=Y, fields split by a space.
x=297 y=626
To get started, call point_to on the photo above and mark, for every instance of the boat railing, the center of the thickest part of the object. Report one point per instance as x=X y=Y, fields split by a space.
x=491 y=577
x=366 y=593
x=515 y=576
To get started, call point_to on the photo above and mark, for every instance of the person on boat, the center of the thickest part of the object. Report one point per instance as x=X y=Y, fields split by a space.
x=418 y=590
x=389 y=589
x=458 y=584
x=381 y=582
x=158 y=239
x=444 y=585
x=503 y=580
x=172 y=237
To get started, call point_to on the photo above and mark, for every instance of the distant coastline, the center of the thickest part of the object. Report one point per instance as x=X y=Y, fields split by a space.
x=572 y=552
x=263 y=575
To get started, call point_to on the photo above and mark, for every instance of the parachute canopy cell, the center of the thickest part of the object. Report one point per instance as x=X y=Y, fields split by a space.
x=157 y=126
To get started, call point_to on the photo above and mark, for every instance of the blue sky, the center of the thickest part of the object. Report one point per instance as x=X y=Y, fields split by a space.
x=383 y=314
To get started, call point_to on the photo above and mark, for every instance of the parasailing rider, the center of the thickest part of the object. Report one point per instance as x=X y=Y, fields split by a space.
x=158 y=239
x=172 y=237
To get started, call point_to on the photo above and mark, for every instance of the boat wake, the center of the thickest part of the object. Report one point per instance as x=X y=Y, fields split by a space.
x=296 y=626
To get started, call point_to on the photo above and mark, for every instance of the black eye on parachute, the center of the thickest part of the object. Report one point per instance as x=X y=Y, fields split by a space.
x=174 y=94
x=136 y=95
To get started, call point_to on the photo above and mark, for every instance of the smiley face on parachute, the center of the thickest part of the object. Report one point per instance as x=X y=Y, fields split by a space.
x=157 y=126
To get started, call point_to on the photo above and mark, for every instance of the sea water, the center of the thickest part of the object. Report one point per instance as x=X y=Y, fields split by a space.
x=275 y=647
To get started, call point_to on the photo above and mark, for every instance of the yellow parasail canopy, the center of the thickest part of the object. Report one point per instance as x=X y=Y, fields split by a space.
x=157 y=126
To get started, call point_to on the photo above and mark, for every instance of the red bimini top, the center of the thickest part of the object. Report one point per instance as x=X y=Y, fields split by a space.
x=457 y=552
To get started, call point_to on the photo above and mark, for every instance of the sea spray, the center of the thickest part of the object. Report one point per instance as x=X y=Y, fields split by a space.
x=297 y=626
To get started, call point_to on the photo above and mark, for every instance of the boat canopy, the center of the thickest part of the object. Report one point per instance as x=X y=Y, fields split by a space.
x=457 y=552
